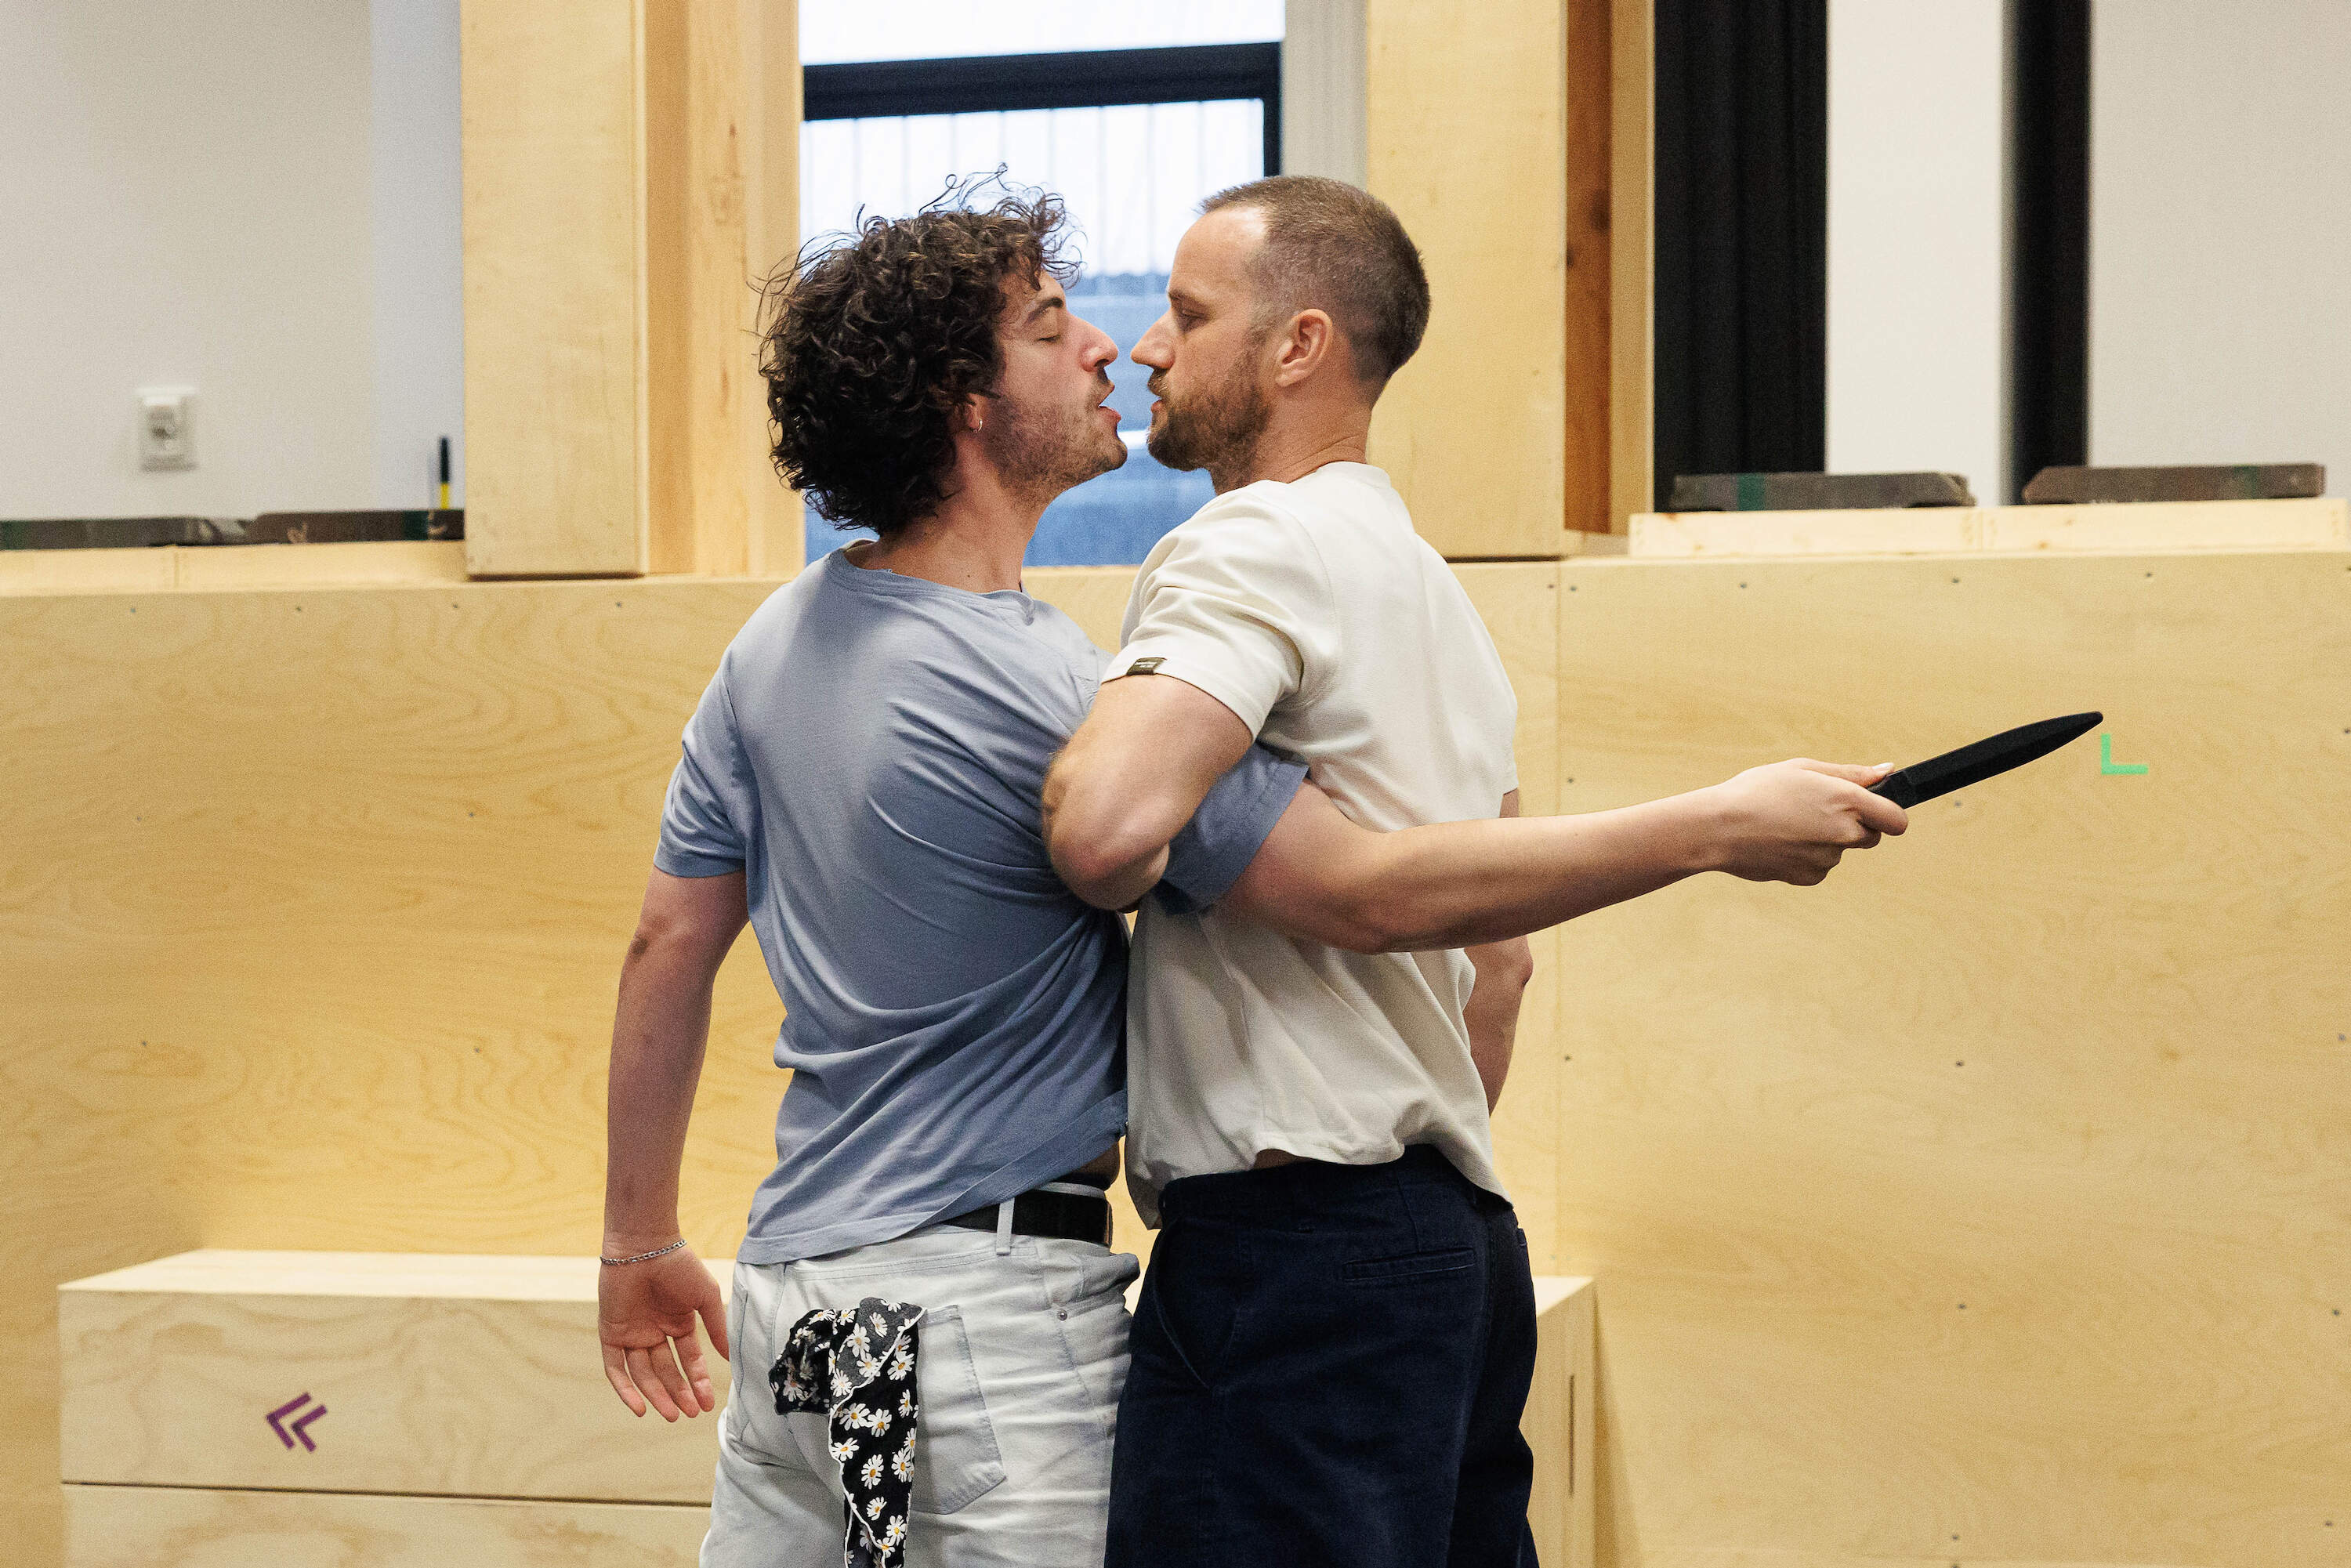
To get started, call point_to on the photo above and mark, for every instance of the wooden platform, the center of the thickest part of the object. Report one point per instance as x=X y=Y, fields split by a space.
x=2319 y=523
x=272 y=1408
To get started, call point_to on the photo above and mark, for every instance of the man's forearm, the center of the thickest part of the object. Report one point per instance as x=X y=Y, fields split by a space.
x=1504 y=968
x=660 y=1032
x=1460 y=884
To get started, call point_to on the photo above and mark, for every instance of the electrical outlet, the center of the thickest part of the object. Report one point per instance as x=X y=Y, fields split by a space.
x=167 y=437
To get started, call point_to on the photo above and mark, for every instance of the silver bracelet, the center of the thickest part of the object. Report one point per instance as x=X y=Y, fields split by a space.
x=642 y=1256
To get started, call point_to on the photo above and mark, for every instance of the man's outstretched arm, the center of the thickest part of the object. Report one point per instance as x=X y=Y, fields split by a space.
x=1130 y=778
x=1321 y=876
x=647 y=1312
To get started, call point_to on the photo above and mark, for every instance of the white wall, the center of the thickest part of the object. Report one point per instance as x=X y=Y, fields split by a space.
x=419 y=257
x=2220 y=234
x=1918 y=239
x=191 y=198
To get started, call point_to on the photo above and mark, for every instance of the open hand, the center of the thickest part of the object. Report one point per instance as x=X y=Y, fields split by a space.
x=645 y=1314
x=1793 y=822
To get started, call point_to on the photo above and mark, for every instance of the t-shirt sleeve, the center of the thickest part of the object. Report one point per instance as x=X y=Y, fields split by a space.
x=1224 y=835
x=1237 y=604
x=713 y=804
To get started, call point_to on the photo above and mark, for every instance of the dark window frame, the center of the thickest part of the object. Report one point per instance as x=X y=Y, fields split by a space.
x=1083 y=78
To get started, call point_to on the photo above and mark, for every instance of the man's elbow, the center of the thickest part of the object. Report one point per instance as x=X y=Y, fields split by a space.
x=1101 y=869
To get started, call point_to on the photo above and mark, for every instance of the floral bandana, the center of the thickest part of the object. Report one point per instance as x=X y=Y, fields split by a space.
x=858 y=1364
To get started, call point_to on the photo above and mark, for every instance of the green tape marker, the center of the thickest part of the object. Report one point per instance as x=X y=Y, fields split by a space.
x=1750 y=492
x=2106 y=763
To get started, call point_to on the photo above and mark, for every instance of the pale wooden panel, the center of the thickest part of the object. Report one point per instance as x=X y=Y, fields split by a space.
x=1558 y=1423
x=556 y=409
x=2129 y=527
x=378 y=563
x=2322 y=521
x=1519 y=605
x=704 y=140
x=771 y=226
x=1092 y=596
x=89 y=571
x=456 y=1375
x=207 y=567
x=1632 y=276
x=1735 y=1557
x=141 y=1527
x=1993 y=1189
x=1466 y=105
x=1908 y=531
x=310 y=915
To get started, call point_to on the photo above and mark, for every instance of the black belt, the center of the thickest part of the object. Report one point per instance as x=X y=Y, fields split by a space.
x=1059 y=1210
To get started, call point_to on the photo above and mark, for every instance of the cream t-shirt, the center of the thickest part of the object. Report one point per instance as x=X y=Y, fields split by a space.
x=1315 y=613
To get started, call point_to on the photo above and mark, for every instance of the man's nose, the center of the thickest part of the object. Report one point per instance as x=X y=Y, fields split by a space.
x=1149 y=348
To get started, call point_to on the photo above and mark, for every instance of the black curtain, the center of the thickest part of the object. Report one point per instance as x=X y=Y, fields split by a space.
x=2049 y=312
x=1741 y=269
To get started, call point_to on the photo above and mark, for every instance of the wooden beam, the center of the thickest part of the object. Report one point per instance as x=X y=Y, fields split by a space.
x=1589 y=263
x=618 y=154
x=138 y=1527
x=1465 y=107
x=558 y=481
x=1632 y=277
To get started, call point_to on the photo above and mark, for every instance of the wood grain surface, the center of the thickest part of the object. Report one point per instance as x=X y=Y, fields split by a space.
x=310 y=912
x=2135 y=528
x=150 y=1527
x=464 y=1377
x=1559 y=1420
x=1988 y=1203
x=1466 y=109
x=556 y=400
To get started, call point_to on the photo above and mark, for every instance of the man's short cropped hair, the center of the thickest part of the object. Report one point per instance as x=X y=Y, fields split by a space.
x=874 y=338
x=1333 y=247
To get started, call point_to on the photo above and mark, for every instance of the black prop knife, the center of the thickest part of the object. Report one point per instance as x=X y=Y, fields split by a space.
x=1922 y=781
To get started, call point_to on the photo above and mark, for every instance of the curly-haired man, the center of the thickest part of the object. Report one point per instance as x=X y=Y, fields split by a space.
x=861 y=783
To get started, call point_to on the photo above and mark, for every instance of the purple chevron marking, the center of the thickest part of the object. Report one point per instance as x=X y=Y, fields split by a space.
x=303 y=1421
x=282 y=1412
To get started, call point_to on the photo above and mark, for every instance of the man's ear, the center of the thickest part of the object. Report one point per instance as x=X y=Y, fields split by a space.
x=1307 y=348
x=971 y=414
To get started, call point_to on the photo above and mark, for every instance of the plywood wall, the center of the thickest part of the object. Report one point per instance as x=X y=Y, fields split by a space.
x=313 y=904
x=1992 y=1191
x=1989 y=1203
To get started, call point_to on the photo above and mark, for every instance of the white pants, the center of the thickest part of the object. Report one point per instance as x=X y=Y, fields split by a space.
x=1023 y=1355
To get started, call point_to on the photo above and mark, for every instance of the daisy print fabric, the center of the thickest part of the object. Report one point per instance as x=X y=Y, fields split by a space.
x=857 y=1365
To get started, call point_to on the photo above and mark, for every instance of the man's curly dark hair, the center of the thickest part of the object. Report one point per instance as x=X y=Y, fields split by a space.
x=872 y=339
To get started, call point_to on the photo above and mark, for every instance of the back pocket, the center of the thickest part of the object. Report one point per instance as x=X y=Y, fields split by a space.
x=955 y=1455
x=1412 y=1265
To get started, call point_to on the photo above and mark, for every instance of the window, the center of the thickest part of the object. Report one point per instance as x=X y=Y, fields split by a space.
x=1131 y=137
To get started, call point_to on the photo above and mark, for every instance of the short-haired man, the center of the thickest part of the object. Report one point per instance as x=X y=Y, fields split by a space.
x=1335 y=1340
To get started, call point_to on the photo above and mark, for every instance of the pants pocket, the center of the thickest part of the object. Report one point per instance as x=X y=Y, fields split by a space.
x=956 y=1458
x=1195 y=1297
x=1408 y=1267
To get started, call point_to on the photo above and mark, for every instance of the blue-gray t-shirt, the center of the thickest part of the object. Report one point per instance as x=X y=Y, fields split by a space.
x=870 y=753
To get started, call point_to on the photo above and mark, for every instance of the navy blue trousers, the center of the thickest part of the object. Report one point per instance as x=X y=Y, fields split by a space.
x=1329 y=1365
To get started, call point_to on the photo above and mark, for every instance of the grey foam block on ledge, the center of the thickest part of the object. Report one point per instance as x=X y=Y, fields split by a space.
x=1815 y=492
x=2211 y=482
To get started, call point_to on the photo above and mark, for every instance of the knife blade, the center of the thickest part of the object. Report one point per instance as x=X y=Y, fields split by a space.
x=1923 y=781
